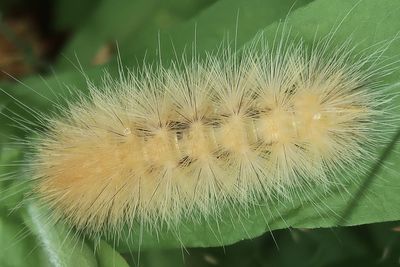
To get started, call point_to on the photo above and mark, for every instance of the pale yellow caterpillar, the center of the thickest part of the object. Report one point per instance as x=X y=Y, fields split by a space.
x=170 y=144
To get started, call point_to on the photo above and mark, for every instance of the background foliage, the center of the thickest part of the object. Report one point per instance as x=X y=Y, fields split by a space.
x=39 y=44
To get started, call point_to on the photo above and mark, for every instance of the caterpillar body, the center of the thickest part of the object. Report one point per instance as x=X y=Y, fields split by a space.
x=162 y=144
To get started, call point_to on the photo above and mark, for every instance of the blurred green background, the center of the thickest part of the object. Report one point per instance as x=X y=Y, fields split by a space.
x=45 y=44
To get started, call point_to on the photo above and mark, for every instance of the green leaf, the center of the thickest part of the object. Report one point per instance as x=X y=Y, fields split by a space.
x=17 y=243
x=297 y=247
x=373 y=198
x=238 y=19
x=108 y=257
x=60 y=245
x=68 y=17
x=120 y=22
x=165 y=258
x=18 y=246
x=376 y=198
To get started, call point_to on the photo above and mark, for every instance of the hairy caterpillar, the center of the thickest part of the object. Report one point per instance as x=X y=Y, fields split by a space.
x=164 y=145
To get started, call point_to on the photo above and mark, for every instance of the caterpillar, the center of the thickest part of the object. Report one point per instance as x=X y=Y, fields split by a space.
x=167 y=144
